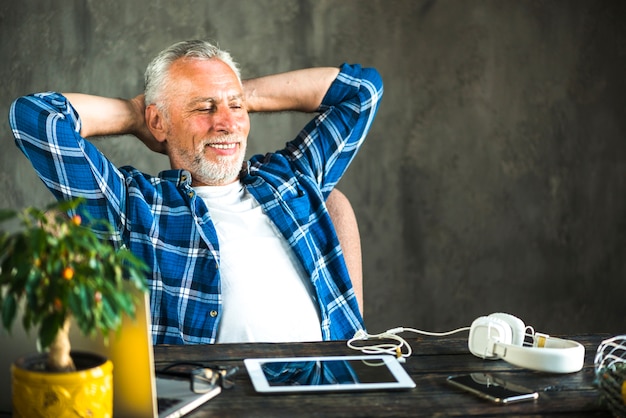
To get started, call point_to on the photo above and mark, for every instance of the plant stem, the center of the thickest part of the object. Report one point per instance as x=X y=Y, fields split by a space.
x=59 y=359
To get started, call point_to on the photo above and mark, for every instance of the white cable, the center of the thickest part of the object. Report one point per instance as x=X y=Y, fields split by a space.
x=395 y=349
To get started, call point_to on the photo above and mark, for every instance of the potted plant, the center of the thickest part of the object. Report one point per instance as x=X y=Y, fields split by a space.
x=53 y=270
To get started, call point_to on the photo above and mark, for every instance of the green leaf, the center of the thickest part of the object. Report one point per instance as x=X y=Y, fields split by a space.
x=110 y=319
x=50 y=326
x=9 y=307
x=6 y=214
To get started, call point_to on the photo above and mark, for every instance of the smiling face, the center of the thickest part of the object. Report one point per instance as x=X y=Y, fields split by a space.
x=205 y=123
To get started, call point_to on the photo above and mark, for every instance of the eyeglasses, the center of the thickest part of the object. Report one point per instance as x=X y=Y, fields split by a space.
x=202 y=378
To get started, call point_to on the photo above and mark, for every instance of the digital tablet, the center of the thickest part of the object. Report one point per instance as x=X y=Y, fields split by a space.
x=327 y=374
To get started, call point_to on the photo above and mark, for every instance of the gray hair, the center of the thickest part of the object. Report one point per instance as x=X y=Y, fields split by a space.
x=156 y=75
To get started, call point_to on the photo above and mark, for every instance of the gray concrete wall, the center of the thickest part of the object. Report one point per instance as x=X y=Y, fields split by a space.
x=494 y=178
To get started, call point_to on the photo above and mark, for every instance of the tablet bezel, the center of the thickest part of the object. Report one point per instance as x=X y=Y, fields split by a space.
x=261 y=385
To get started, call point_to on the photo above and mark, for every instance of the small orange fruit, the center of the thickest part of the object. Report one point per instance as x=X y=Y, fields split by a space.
x=68 y=273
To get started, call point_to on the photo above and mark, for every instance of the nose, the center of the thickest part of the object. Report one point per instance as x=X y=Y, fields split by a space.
x=225 y=120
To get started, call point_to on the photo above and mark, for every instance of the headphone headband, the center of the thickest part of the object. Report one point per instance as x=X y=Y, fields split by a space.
x=557 y=356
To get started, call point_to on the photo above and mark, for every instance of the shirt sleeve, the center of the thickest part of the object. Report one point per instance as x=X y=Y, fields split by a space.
x=47 y=130
x=327 y=144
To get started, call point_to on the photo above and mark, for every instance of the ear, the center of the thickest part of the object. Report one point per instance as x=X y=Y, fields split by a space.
x=156 y=122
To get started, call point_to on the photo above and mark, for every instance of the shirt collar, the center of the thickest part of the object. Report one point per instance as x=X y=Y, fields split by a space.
x=183 y=177
x=180 y=177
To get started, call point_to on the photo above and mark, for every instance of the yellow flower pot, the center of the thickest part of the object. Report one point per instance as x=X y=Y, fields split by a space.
x=87 y=392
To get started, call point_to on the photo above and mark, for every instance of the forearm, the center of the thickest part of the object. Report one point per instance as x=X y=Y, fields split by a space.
x=105 y=116
x=300 y=90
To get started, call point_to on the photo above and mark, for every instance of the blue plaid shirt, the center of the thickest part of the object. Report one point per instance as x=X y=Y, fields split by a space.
x=162 y=220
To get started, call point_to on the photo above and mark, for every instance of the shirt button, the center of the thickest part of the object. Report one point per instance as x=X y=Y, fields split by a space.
x=183 y=178
x=190 y=194
x=213 y=314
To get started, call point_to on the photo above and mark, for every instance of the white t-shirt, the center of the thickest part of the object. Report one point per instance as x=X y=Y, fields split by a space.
x=266 y=295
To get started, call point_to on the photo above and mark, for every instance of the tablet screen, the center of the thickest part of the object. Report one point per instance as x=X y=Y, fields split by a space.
x=327 y=373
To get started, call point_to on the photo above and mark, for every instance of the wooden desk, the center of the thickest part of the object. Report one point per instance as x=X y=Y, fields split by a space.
x=433 y=360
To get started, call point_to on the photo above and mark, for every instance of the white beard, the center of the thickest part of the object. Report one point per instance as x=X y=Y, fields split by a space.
x=225 y=171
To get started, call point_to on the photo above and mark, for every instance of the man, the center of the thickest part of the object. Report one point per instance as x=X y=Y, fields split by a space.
x=238 y=251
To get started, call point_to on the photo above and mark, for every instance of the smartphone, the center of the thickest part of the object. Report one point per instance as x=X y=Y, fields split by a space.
x=492 y=388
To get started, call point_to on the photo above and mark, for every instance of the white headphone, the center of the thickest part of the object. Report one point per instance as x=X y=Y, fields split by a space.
x=497 y=336
x=502 y=336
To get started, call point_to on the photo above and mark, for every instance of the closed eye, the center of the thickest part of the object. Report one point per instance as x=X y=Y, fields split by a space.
x=236 y=104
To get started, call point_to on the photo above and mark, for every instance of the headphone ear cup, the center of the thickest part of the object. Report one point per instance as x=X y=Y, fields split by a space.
x=485 y=332
x=518 y=328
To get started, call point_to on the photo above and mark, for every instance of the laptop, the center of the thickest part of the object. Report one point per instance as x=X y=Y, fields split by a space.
x=137 y=391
